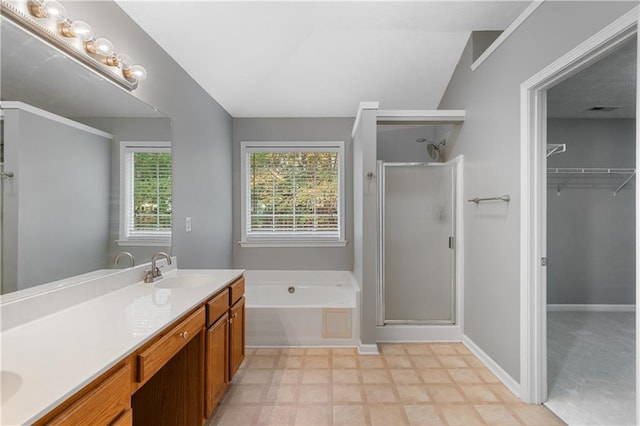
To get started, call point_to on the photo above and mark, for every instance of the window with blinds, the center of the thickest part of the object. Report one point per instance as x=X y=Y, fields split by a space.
x=292 y=191
x=146 y=194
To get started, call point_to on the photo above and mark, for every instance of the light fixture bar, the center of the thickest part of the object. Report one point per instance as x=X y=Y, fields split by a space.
x=103 y=66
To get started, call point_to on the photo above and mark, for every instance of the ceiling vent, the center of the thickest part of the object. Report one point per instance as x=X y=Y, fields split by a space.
x=604 y=108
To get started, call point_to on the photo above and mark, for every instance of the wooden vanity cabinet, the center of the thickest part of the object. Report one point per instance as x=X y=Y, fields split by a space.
x=107 y=401
x=170 y=375
x=175 y=378
x=159 y=353
x=217 y=363
x=224 y=342
x=236 y=337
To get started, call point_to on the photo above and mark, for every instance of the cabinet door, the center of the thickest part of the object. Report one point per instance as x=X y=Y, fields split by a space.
x=217 y=362
x=236 y=349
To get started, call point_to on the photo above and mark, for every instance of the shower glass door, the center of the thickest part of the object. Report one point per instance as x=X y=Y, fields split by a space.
x=417 y=206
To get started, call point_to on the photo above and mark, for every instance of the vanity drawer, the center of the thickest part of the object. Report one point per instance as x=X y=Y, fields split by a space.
x=157 y=355
x=237 y=290
x=217 y=307
x=102 y=405
x=126 y=419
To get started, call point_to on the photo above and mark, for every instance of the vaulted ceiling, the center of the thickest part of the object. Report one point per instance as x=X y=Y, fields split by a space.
x=319 y=59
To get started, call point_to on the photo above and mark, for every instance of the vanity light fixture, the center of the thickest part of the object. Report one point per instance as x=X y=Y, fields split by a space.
x=48 y=19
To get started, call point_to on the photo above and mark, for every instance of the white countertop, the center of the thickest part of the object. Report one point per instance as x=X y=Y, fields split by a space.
x=45 y=361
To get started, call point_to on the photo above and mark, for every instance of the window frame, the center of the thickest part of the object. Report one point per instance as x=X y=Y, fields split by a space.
x=289 y=239
x=161 y=239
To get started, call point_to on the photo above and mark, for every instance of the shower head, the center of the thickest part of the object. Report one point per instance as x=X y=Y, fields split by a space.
x=435 y=152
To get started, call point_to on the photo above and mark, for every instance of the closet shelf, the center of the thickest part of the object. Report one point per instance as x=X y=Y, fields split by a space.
x=564 y=175
x=590 y=171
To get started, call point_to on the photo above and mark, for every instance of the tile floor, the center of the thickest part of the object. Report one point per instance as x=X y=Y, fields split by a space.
x=407 y=384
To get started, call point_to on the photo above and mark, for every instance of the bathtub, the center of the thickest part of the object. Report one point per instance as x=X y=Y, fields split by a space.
x=301 y=308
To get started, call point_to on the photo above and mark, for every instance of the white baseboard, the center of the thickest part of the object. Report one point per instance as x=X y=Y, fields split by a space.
x=592 y=308
x=368 y=349
x=502 y=375
x=418 y=333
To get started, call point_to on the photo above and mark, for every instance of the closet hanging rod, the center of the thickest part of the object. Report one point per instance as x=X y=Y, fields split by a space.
x=590 y=171
x=477 y=200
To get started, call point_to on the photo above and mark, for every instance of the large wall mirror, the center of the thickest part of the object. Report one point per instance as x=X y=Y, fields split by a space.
x=68 y=137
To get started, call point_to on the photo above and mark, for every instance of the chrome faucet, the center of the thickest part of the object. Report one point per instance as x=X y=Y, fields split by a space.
x=155 y=272
x=132 y=260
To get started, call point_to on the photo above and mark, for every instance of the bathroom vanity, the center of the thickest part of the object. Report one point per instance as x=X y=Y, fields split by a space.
x=156 y=353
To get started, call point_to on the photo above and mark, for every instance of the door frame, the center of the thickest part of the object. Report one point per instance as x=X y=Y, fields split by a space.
x=533 y=214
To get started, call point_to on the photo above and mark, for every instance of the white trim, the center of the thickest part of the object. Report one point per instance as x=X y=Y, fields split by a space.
x=53 y=117
x=418 y=333
x=143 y=243
x=292 y=240
x=459 y=241
x=506 y=33
x=502 y=375
x=533 y=379
x=292 y=243
x=637 y=232
x=591 y=308
x=427 y=116
x=361 y=107
x=368 y=349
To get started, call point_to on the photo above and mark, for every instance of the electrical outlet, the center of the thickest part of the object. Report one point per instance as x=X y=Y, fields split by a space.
x=187 y=224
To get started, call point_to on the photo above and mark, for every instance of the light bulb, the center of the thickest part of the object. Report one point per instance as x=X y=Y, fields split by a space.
x=138 y=72
x=81 y=30
x=100 y=46
x=78 y=29
x=124 y=62
x=48 y=9
x=54 y=10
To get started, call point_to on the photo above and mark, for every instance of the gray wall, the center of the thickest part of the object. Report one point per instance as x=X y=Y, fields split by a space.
x=591 y=232
x=490 y=142
x=128 y=129
x=399 y=144
x=201 y=138
x=293 y=129
x=56 y=219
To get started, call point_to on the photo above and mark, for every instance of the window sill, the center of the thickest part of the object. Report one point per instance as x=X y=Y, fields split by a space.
x=292 y=243
x=144 y=243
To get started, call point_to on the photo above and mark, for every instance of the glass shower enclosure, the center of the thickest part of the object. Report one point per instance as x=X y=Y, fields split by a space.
x=416 y=244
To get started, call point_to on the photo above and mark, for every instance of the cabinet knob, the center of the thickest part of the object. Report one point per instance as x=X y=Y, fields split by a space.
x=235 y=314
x=231 y=321
x=184 y=334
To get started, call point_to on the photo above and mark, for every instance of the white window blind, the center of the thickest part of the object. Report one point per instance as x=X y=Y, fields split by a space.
x=293 y=192
x=147 y=194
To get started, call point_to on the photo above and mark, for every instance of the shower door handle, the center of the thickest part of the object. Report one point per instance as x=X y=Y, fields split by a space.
x=452 y=243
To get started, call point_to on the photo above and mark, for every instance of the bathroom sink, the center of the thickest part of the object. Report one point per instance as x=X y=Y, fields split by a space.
x=184 y=281
x=11 y=382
